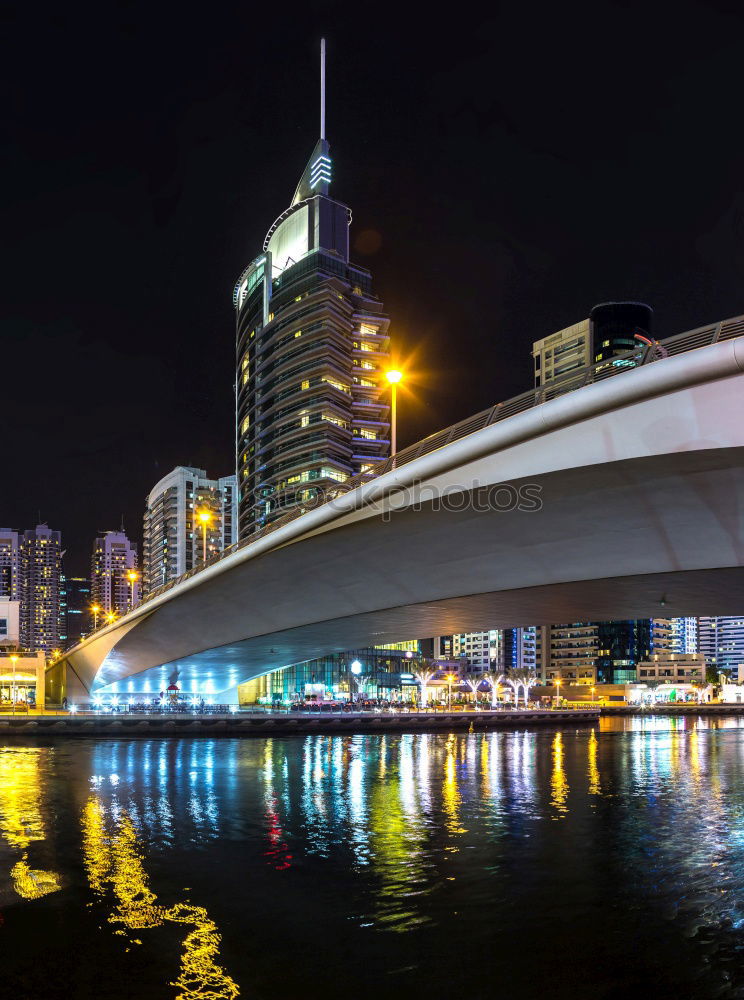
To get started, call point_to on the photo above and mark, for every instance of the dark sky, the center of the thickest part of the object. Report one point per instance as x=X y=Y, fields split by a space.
x=519 y=164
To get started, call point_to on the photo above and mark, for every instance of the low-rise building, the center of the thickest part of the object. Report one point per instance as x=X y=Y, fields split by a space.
x=22 y=681
x=672 y=668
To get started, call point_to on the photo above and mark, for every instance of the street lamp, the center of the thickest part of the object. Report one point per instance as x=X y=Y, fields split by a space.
x=204 y=516
x=356 y=669
x=96 y=609
x=132 y=577
x=557 y=690
x=13 y=660
x=393 y=377
x=450 y=679
x=593 y=690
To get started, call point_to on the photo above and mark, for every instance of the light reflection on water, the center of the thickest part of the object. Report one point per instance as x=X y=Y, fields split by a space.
x=636 y=827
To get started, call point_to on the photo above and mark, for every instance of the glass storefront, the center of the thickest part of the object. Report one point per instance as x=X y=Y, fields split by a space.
x=376 y=674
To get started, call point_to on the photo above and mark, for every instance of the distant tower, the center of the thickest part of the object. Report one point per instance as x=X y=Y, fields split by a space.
x=312 y=344
x=40 y=589
x=172 y=536
x=614 y=326
x=113 y=556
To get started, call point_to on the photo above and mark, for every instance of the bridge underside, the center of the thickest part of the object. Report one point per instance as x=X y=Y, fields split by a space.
x=661 y=536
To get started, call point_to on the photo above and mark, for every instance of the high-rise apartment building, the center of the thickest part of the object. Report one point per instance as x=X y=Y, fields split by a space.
x=312 y=345
x=498 y=650
x=601 y=652
x=173 y=534
x=684 y=635
x=480 y=649
x=40 y=571
x=721 y=641
x=113 y=557
x=10 y=552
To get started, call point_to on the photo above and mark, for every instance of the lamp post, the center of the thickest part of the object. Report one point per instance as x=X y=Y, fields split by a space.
x=449 y=678
x=132 y=577
x=204 y=516
x=95 y=608
x=557 y=690
x=13 y=660
x=593 y=690
x=356 y=669
x=393 y=377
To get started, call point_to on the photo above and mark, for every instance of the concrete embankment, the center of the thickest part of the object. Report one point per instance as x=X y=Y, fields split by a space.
x=248 y=724
x=677 y=708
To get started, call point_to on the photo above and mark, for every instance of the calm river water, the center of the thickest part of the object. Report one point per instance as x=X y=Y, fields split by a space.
x=535 y=863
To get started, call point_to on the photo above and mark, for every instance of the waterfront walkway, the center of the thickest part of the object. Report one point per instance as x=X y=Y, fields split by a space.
x=269 y=723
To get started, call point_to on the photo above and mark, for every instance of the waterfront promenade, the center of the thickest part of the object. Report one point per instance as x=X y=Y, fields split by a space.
x=284 y=723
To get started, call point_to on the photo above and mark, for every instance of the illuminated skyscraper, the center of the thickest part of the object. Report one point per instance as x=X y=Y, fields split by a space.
x=40 y=589
x=173 y=541
x=721 y=640
x=113 y=556
x=311 y=341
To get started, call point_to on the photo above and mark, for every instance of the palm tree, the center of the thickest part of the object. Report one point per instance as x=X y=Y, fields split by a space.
x=495 y=680
x=473 y=681
x=423 y=674
x=518 y=680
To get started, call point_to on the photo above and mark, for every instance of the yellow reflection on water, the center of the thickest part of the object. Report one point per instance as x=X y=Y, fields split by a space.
x=201 y=976
x=595 y=787
x=21 y=819
x=113 y=858
x=20 y=795
x=30 y=883
x=558 y=780
x=451 y=799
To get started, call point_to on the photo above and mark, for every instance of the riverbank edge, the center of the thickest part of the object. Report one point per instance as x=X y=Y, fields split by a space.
x=286 y=725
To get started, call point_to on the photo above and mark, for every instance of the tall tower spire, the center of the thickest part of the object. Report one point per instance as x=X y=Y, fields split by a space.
x=322 y=88
x=317 y=174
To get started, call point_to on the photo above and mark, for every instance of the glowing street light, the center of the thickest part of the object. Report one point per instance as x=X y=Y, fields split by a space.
x=204 y=516
x=393 y=377
x=13 y=660
x=96 y=609
x=450 y=678
x=557 y=690
x=111 y=617
x=132 y=577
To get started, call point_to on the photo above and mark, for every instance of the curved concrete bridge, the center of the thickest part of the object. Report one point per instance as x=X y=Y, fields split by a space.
x=641 y=483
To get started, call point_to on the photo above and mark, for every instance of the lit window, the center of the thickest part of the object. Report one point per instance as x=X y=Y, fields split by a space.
x=298 y=333
x=306 y=384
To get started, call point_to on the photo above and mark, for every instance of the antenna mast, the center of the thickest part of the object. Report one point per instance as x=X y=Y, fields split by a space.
x=322 y=88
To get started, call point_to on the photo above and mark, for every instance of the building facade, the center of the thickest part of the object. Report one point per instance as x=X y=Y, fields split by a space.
x=10 y=554
x=612 y=329
x=684 y=635
x=561 y=353
x=174 y=536
x=311 y=350
x=721 y=641
x=380 y=672
x=40 y=591
x=77 y=605
x=591 y=653
x=113 y=557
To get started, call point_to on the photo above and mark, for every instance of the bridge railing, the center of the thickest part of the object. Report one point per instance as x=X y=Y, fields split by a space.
x=610 y=368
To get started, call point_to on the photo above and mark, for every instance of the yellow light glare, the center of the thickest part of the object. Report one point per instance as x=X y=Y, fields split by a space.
x=204 y=515
x=132 y=576
x=394 y=376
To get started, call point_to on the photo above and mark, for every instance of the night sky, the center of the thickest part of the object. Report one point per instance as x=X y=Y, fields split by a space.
x=506 y=171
